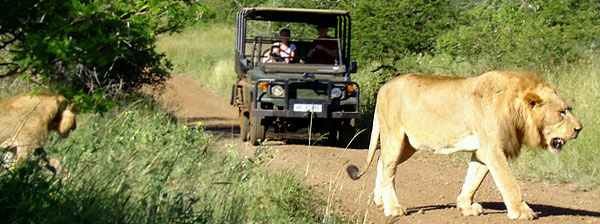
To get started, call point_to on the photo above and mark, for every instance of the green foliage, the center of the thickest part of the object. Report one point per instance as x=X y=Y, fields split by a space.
x=90 y=46
x=530 y=34
x=391 y=29
x=206 y=55
x=137 y=164
x=224 y=11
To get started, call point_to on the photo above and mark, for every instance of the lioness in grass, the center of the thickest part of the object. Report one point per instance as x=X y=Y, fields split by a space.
x=490 y=116
x=25 y=122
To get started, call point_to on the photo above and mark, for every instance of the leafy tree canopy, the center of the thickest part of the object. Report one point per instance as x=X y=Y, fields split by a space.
x=524 y=33
x=88 y=50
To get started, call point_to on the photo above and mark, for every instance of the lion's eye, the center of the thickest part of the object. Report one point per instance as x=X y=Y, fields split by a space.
x=563 y=112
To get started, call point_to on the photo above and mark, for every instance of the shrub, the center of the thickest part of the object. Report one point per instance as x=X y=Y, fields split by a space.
x=523 y=34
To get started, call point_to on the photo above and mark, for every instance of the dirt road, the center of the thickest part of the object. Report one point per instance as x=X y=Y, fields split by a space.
x=426 y=184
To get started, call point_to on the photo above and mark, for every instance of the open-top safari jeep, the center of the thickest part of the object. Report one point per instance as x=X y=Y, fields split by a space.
x=300 y=97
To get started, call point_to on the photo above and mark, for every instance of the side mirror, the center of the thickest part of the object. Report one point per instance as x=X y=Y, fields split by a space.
x=244 y=64
x=241 y=66
x=353 y=67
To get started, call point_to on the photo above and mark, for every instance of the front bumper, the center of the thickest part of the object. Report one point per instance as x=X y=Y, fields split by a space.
x=329 y=108
x=288 y=113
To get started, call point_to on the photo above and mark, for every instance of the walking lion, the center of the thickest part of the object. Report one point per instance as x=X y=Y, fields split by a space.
x=490 y=116
x=26 y=120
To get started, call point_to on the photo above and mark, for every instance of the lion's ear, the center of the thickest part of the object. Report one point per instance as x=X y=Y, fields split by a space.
x=59 y=100
x=533 y=100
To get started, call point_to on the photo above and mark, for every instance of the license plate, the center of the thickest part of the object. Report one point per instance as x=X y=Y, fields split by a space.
x=302 y=107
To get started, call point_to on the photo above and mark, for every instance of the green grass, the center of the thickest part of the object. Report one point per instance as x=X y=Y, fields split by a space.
x=205 y=54
x=578 y=161
x=137 y=164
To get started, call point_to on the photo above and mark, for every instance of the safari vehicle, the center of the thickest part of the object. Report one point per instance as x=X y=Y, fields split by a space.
x=290 y=99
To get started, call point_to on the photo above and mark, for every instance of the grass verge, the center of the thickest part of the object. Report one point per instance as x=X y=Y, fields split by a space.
x=137 y=164
x=204 y=54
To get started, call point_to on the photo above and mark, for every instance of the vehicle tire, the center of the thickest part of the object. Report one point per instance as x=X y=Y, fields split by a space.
x=257 y=130
x=244 y=127
x=332 y=134
x=345 y=133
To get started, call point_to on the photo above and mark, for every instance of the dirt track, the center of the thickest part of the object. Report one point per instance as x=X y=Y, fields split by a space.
x=427 y=185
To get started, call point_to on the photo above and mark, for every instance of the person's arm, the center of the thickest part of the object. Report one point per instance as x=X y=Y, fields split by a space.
x=330 y=52
x=267 y=56
x=292 y=54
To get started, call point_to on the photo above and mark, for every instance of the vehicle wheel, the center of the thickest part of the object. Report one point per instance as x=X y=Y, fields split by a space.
x=244 y=127
x=346 y=133
x=257 y=130
x=332 y=136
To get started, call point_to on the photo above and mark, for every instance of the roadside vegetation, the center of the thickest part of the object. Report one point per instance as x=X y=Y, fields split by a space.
x=204 y=54
x=137 y=164
x=458 y=39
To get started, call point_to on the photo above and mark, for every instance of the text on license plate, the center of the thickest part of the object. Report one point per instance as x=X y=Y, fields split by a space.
x=302 y=107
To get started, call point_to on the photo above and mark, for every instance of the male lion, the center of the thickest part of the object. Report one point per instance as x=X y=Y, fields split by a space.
x=490 y=116
x=25 y=121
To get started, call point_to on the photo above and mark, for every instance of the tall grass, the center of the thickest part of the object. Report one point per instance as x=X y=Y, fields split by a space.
x=205 y=54
x=137 y=164
x=578 y=161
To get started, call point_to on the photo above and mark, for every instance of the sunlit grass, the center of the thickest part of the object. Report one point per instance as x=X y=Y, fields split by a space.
x=206 y=55
x=578 y=160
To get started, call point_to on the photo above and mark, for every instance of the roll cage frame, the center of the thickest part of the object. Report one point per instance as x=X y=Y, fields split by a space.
x=337 y=19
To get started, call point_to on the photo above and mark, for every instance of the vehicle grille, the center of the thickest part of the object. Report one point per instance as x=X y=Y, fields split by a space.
x=311 y=91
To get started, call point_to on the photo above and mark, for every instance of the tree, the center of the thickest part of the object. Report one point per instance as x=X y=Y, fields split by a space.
x=391 y=29
x=90 y=48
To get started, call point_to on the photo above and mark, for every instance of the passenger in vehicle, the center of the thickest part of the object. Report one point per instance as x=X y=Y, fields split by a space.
x=273 y=55
x=324 y=50
x=286 y=50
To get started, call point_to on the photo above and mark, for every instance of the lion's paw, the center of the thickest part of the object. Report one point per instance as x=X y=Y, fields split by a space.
x=474 y=209
x=377 y=197
x=524 y=212
x=396 y=210
x=378 y=201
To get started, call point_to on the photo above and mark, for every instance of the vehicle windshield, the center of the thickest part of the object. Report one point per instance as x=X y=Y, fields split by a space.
x=290 y=40
x=267 y=50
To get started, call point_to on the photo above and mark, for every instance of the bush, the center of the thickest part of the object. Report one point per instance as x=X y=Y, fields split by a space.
x=392 y=29
x=85 y=47
x=521 y=34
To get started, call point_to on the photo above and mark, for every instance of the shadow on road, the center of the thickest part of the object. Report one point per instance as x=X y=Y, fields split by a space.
x=229 y=128
x=429 y=208
x=410 y=211
x=545 y=210
x=499 y=207
x=216 y=125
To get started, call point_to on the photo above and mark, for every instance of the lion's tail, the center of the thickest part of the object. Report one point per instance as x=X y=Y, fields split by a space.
x=352 y=170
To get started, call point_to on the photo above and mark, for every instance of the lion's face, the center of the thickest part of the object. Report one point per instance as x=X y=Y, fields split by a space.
x=557 y=124
x=67 y=123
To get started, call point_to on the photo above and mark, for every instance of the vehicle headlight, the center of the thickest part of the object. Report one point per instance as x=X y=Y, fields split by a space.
x=336 y=93
x=277 y=91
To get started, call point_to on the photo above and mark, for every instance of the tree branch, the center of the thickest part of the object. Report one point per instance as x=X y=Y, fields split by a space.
x=6 y=43
x=11 y=72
